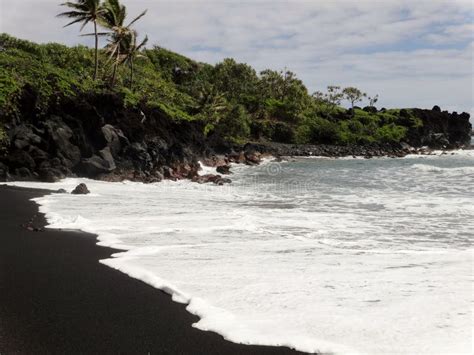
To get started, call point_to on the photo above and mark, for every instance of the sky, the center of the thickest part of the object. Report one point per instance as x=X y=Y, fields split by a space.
x=411 y=53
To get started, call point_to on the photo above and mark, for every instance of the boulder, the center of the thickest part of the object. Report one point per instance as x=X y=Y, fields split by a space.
x=20 y=144
x=115 y=139
x=23 y=173
x=206 y=178
x=224 y=169
x=97 y=165
x=222 y=181
x=216 y=179
x=106 y=154
x=24 y=135
x=238 y=158
x=439 y=140
x=20 y=159
x=38 y=155
x=3 y=172
x=139 y=155
x=216 y=160
x=49 y=174
x=61 y=135
x=252 y=158
x=80 y=189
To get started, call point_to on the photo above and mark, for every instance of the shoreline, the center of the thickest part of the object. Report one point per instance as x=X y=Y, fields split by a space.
x=55 y=296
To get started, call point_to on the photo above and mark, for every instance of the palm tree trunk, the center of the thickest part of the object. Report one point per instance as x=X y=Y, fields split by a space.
x=96 y=69
x=131 y=74
x=114 y=74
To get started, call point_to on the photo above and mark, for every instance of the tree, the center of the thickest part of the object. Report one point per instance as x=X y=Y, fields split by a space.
x=353 y=95
x=235 y=123
x=86 y=11
x=238 y=81
x=334 y=96
x=373 y=100
x=332 y=99
x=283 y=95
x=114 y=19
x=131 y=50
x=211 y=105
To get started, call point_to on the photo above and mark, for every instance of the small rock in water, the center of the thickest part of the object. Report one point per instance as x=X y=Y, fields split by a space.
x=222 y=181
x=80 y=189
x=216 y=179
x=61 y=191
x=224 y=169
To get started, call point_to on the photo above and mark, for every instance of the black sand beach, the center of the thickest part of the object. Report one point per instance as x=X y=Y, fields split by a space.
x=55 y=297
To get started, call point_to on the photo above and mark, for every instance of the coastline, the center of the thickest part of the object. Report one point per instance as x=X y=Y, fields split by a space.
x=55 y=296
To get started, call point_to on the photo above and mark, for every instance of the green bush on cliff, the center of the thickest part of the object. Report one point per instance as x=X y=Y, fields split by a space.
x=235 y=124
x=231 y=98
x=317 y=130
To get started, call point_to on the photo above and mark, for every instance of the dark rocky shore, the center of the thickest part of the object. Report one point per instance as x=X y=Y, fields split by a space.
x=99 y=137
x=56 y=298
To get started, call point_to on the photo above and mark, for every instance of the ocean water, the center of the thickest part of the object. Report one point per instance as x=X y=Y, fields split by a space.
x=333 y=255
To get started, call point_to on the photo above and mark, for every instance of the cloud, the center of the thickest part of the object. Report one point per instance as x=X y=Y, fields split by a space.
x=413 y=53
x=453 y=34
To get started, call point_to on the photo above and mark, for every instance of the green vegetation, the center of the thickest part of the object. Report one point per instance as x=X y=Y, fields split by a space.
x=231 y=98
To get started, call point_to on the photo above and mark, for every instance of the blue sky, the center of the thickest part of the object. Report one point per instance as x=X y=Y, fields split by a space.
x=411 y=53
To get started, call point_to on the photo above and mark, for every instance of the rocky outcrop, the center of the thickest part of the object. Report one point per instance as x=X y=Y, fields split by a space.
x=325 y=150
x=441 y=129
x=98 y=137
x=224 y=170
x=216 y=179
x=80 y=189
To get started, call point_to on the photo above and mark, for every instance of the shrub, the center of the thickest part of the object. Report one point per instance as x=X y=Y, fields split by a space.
x=273 y=130
x=317 y=131
x=229 y=98
x=391 y=133
x=235 y=124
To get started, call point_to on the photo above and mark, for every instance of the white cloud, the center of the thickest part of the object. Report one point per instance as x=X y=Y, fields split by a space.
x=386 y=47
x=453 y=34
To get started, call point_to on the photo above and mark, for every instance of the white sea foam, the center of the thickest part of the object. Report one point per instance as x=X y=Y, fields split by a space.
x=206 y=169
x=450 y=171
x=368 y=256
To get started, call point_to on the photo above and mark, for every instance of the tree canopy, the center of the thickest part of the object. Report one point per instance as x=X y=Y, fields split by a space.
x=231 y=98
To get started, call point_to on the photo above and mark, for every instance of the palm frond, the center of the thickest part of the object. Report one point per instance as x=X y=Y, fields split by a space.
x=75 y=5
x=98 y=34
x=143 y=44
x=71 y=14
x=137 y=18
x=73 y=22
x=86 y=21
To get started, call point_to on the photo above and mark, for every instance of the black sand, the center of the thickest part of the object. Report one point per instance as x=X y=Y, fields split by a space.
x=55 y=297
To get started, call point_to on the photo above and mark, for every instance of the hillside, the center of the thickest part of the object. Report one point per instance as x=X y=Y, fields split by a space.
x=56 y=121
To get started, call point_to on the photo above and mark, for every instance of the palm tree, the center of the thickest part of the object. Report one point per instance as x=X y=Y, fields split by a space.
x=131 y=50
x=86 y=11
x=114 y=19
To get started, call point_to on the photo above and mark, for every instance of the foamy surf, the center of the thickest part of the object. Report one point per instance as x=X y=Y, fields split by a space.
x=342 y=256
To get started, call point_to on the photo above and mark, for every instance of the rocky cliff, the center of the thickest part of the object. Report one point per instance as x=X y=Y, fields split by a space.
x=99 y=137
